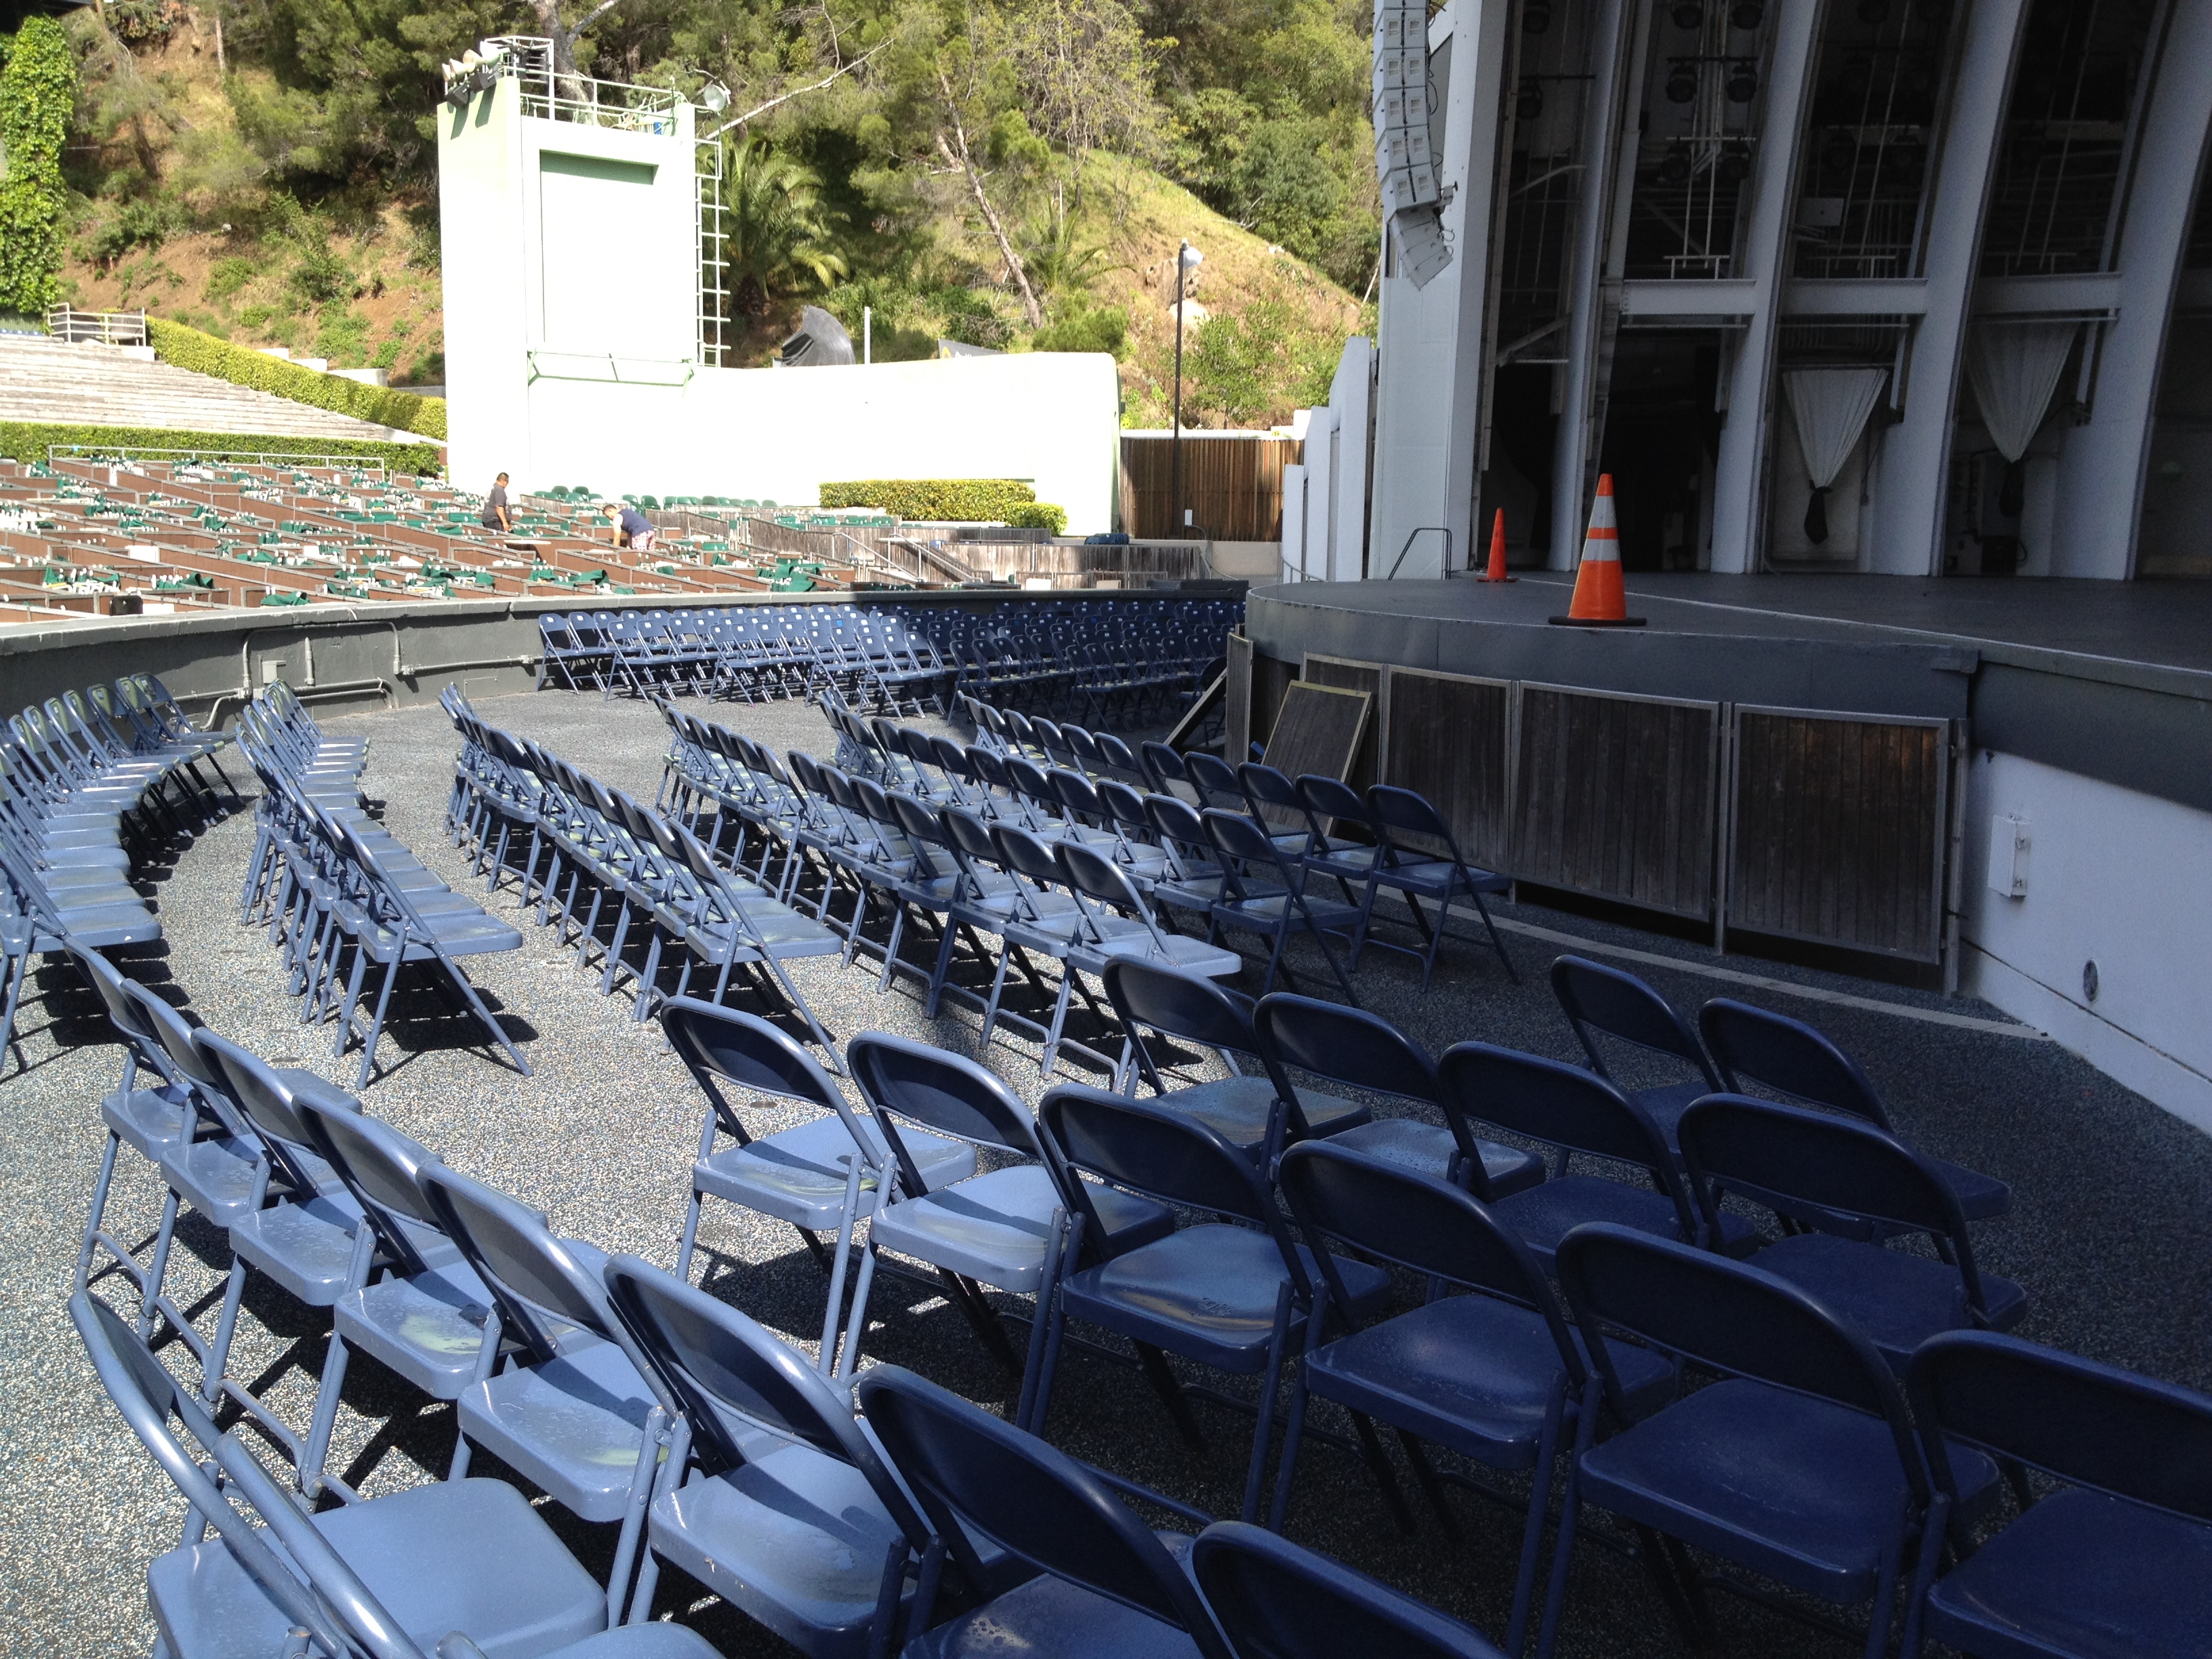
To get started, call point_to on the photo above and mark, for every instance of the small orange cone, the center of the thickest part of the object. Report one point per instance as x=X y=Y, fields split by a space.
x=1599 y=600
x=1497 y=572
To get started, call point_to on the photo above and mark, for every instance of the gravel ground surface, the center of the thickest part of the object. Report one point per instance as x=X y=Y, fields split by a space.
x=2107 y=1231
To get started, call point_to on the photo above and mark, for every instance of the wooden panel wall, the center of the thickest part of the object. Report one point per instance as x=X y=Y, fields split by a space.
x=1614 y=796
x=1449 y=736
x=1271 y=678
x=1373 y=678
x=1236 y=711
x=1232 y=485
x=1837 y=829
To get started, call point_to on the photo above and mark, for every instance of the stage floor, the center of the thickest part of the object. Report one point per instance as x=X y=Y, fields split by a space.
x=2154 y=625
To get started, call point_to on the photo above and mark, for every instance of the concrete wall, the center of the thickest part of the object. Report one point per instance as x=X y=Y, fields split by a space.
x=572 y=357
x=2118 y=879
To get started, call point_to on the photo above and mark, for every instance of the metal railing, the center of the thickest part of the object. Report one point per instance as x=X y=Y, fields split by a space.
x=97 y=327
x=212 y=457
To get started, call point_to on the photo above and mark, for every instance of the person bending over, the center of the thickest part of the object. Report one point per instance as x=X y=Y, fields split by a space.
x=631 y=527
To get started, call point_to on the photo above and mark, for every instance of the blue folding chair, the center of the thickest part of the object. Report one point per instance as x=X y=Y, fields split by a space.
x=1494 y=1375
x=1790 y=1058
x=1263 y=891
x=1234 y=1294
x=2118 y=1562
x=1275 y=1600
x=770 y=1496
x=1799 y=1464
x=812 y=1175
x=1791 y=1158
x=1100 y=1584
x=1362 y=1050
x=1430 y=867
x=1602 y=1001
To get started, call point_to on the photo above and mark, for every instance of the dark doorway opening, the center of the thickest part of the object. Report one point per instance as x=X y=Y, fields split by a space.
x=1661 y=434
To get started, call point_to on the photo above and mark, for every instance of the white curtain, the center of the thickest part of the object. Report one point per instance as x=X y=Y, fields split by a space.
x=1831 y=406
x=2015 y=369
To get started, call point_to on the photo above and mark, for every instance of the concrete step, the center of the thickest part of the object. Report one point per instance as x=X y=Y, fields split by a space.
x=84 y=384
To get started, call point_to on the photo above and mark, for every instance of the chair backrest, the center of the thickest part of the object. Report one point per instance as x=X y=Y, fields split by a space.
x=1163 y=766
x=1417 y=1222
x=2087 y=1423
x=722 y=1045
x=1346 y=1045
x=970 y=1468
x=140 y=1040
x=1276 y=1601
x=968 y=835
x=381 y=1168
x=174 y=1033
x=1125 y=807
x=270 y=1104
x=1024 y=853
x=1151 y=1148
x=1181 y=1004
x=1727 y=1317
x=1756 y=1045
x=1271 y=794
x=1239 y=840
x=1335 y=800
x=1179 y=826
x=1596 y=998
x=919 y=1083
x=1772 y=1154
x=1214 y=779
x=1093 y=875
x=1551 y=1100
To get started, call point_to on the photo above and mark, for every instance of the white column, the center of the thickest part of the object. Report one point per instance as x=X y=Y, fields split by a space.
x=1320 y=489
x=2101 y=468
x=1915 y=459
x=1294 y=522
x=1740 y=472
x=1429 y=347
x=1351 y=400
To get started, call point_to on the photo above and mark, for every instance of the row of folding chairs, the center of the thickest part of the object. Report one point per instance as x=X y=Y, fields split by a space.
x=615 y=879
x=338 y=893
x=1558 y=1316
x=92 y=784
x=633 y=1400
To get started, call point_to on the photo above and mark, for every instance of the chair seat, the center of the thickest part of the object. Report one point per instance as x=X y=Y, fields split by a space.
x=1980 y=1196
x=1543 y=1215
x=1666 y=1105
x=993 y=1227
x=1431 y=1149
x=657 y=1640
x=795 y=1539
x=1049 y=1618
x=148 y=1120
x=215 y=1177
x=573 y=1427
x=305 y=1248
x=459 y=1555
x=1266 y=914
x=1439 y=879
x=2084 y=1575
x=1470 y=1372
x=1240 y=1106
x=1897 y=1300
x=1177 y=951
x=428 y=1328
x=1207 y=1293
x=1804 y=1491
x=798 y=1175
x=457 y=935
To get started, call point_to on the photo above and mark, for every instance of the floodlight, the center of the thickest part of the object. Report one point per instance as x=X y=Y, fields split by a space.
x=1742 y=81
x=1734 y=165
x=1529 y=102
x=471 y=58
x=713 y=97
x=1190 y=258
x=1688 y=14
x=1675 y=165
x=1748 y=14
x=1681 y=82
x=1536 y=16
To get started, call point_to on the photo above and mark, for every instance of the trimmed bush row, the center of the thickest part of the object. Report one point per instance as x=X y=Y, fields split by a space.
x=1039 y=515
x=188 y=348
x=949 y=500
x=27 y=440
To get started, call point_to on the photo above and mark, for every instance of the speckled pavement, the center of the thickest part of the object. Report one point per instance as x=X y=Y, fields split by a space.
x=2107 y=1232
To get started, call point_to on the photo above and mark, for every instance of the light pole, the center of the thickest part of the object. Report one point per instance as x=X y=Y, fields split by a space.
x=1186 y=260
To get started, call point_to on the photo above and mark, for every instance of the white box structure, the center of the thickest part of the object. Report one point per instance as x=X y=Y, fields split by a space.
x=570 y=213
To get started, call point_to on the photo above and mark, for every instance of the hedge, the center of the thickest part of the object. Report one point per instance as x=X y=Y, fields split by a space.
x=27 y=440
x=1039 y=515
x=188 y=348
x=947 y=500
x=38 y=91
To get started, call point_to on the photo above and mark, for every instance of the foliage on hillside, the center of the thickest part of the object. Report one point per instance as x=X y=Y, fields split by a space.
x=1012 y=173
x=38 y=90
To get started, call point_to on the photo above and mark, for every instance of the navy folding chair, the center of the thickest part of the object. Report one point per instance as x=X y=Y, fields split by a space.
x=2118 y=1561
x=812 y=1175
x=1789 y=1057
x=770 y=1497
x=1100 y=1583
x=1419 y=857
x=1233 y=1294
x=1361 y=1050
x=1602 y=1001
x=1577 y=1112
x=1275 y=1600
x=1258 y=1116
x=1494 y=1375
x=1791 y=1158
x=1264 y=892
x=1799 y=1464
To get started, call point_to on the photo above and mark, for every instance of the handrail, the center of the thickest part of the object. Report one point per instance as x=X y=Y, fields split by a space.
x=67 y=324
x=1408 y=547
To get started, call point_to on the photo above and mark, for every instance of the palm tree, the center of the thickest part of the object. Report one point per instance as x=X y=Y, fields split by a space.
x=780 y=234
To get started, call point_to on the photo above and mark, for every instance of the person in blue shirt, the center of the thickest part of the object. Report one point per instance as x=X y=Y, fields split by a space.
x=631 y=527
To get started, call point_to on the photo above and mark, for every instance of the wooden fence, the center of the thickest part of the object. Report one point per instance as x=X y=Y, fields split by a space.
x=1232 y=482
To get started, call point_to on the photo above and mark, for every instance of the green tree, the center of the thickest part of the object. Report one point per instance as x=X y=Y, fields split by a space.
x=38 y=94
x=779 y=234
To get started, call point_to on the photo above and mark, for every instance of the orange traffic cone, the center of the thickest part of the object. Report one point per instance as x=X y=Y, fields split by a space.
x=1496 y=571
x=1599 y=600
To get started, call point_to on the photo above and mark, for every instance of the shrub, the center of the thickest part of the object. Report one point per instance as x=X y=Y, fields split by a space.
x=38 y=94
x=956 y=500
x=1039 y=515
x=1106 y=329
x=187 y=347
x=27 y=440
